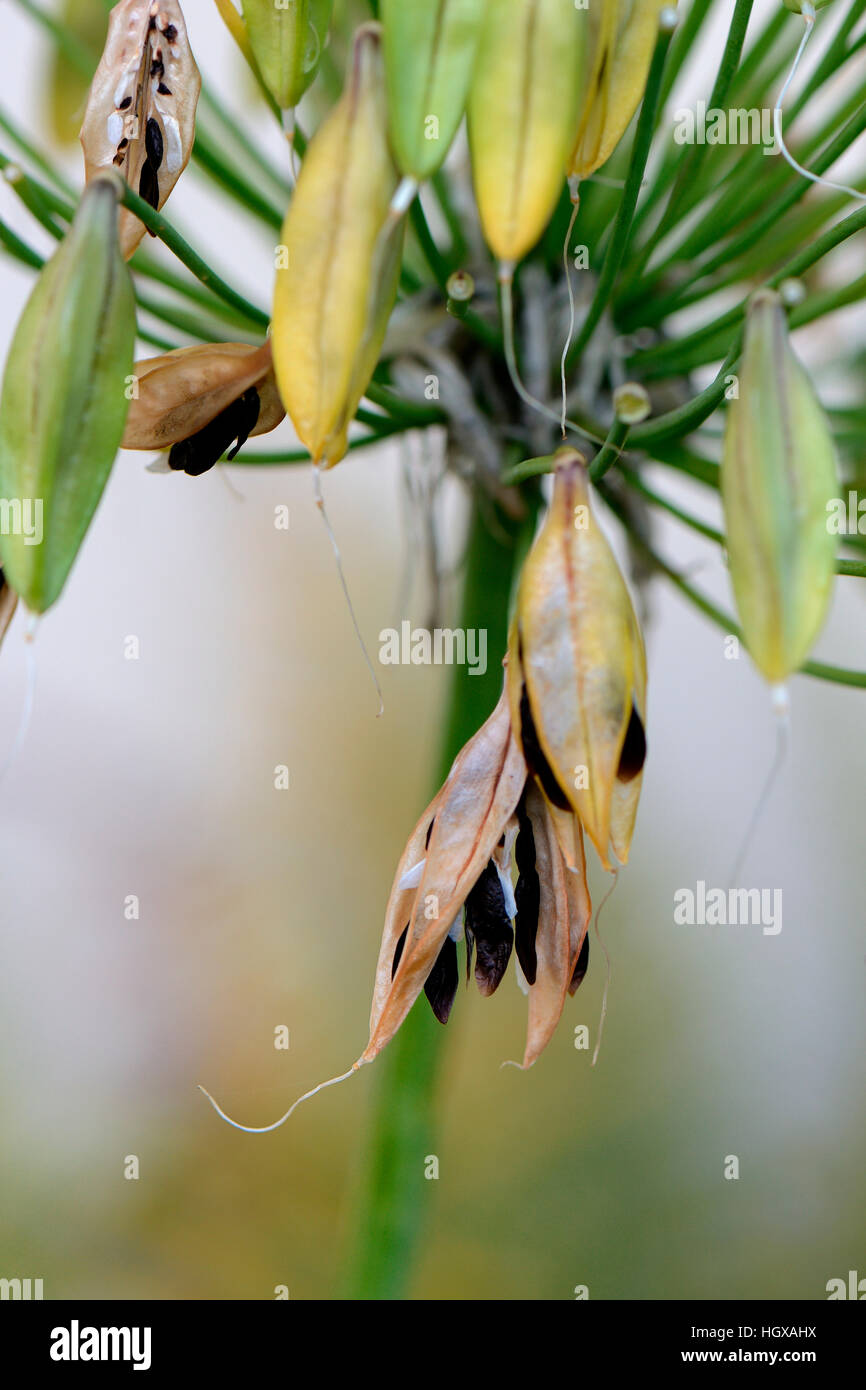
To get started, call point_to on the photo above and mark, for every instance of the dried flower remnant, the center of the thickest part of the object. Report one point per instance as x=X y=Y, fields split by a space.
x=64 y=397
x=577 y=670
x=197 y=401
x=778 y=475
x=140 y=115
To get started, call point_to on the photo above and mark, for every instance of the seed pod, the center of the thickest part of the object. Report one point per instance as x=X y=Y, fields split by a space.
x=623 y=35
x=576 y=672
x=334 y=295
x=140 y=115
x=429 y=55
x=64 y=403
x=8 y=604
x=179 y=393
x=287 y=42
x=778 y=475
x=523 y=109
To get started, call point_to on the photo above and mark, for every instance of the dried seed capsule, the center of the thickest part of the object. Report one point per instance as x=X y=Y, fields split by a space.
x=140 y=115
x=64 y=394
x=523 y=109
x=778 y=475
x=287 y=42
x=429 y=55
x=180 y=393
x=622 y=38
x=337 y=286
x=576 y=669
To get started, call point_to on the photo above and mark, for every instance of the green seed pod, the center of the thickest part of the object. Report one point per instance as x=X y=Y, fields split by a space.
x=429 y=55
x=523 y=112
x=778 y=474
x=337 y=284
x=64 y=397
x=287 y=41
x=8 y=604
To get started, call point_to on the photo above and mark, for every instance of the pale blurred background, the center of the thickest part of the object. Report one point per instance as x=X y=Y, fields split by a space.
x=258 y=908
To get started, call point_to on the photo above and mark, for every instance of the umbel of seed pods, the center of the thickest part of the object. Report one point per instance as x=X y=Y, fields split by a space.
x=563 y=752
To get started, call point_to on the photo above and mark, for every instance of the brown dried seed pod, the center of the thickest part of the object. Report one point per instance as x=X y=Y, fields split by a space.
x=140 y=114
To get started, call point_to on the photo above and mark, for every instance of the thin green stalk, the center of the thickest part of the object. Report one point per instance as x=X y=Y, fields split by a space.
x=619 y=240
x=441 y=270
x=611 y=450
x=391 y=1203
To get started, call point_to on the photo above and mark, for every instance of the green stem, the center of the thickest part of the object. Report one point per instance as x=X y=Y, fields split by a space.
x=391 y=1203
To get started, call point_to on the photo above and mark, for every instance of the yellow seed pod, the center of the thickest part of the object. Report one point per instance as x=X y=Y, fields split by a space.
x=523 y=110
x=576 y=668
x=623 y=35
x=64 y=397
x=339 y=265
x=778 y=476
x=140 y=116
x=429 y=55
x=287 y=40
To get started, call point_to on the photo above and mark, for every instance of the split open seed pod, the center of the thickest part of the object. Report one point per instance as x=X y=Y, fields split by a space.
x=196 y=401
x=576 y=668
x=523 y=110
x=429 y=56
x=140 y=116
x=340 y=266
x=64 y=397
x=622 y=36
x=778 y=475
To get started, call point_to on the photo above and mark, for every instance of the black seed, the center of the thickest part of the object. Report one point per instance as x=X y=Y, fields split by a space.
x=202 y=450
x=118 y=159
x=170 y=32
x=441 y=983
x=125 y=104
x=581 y=965
x=148 y=185
x=470 y=946
x=151 y=24
x=487 y=923
x=398 y=952
x=123 y=144
x=163 y=90
x=157 y=68
x=153 y=142
x=429 y=833
x=633 y=755
x=527 y=895
x=535 y=758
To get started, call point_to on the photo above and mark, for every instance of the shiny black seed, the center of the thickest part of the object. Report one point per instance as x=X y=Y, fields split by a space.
x=156 y=67
x=153 y=142
x=125 y=104
x=581 y=965
x=148 y=185
x=202 y=450
x=527 y=895
x=170 y=32
x=441 y=984
x=633 y=755
x=470 y=947
x=118 y=159
x=536 y=761
x=123 y=143
x=398 y=952
x=163 y=90
x=487 y=923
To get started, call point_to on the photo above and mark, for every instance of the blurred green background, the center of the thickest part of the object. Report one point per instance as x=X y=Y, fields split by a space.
x=259 y=908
